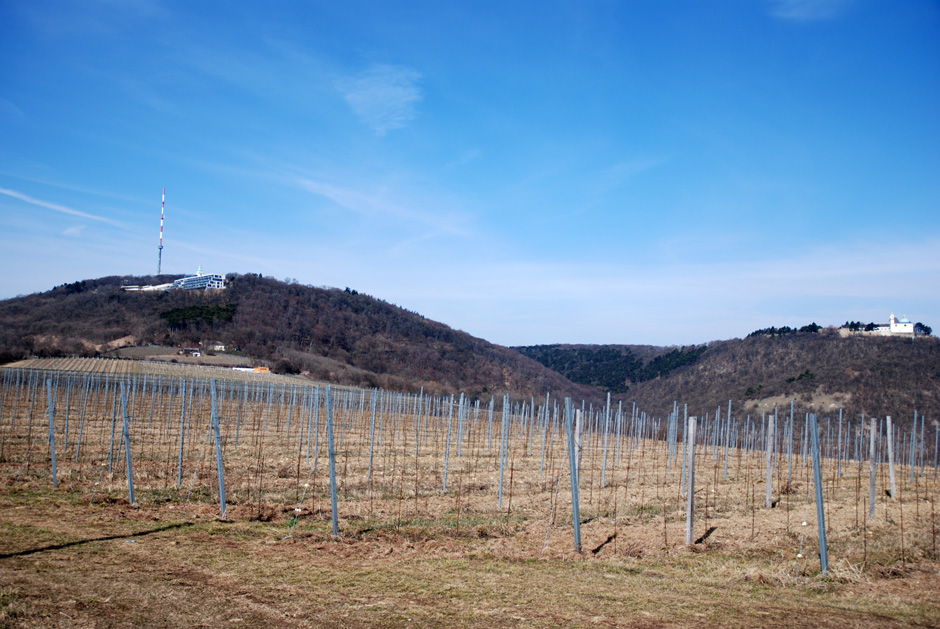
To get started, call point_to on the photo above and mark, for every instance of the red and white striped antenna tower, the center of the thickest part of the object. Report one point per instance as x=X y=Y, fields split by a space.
x=160 y=248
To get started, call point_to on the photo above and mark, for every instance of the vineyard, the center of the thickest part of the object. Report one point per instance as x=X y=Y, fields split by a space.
x=149 y=368
x=792 y=505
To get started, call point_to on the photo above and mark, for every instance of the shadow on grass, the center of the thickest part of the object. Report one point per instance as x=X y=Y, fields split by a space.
x=32 y=551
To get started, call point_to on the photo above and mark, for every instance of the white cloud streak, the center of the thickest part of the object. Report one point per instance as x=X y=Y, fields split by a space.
x=75 y=230
x=807 y=10
x=10 y=110
x=56 y=207
x=384 y=97
x=380 y=202
x=623 y=172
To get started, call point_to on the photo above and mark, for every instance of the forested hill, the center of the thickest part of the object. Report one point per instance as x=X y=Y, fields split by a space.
x=612 y=367
x=818 y=370
x=332 y=334
x=345 y=337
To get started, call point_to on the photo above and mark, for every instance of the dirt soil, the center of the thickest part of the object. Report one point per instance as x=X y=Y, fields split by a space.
x=64 y=562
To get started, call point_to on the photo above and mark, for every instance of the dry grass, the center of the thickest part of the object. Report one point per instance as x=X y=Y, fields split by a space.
x=80 y=555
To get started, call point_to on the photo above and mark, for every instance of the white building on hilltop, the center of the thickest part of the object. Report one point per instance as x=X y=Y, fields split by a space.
x=200 y=280
x=900 y=326
x=894 y=327
x=203 y=280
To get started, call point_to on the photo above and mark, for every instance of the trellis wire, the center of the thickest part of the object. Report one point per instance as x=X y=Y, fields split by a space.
x=410 y=416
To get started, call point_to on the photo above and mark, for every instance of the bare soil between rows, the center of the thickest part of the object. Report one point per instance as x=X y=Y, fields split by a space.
x=439 y=525
x=67 y=563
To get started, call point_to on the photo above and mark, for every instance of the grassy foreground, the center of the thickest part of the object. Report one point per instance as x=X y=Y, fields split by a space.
x=65 y=562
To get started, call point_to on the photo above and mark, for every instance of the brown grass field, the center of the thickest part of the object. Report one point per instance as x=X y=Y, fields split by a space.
x=409 y=553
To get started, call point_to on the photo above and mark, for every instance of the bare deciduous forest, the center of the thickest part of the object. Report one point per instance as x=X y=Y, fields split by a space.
x=342 y=336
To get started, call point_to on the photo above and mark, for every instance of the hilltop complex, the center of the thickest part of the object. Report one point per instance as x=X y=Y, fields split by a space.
x=200 y=280
x=894 y=327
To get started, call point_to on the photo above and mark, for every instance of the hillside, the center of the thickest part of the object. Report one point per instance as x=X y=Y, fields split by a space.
x=612 y=367
x=331 y=334
x=819 y=371
x=346 y=337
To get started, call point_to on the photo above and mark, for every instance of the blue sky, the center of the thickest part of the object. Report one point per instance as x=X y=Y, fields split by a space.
x=530 y=172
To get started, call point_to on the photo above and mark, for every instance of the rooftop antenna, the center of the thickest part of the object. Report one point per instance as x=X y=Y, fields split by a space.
x=160 y=248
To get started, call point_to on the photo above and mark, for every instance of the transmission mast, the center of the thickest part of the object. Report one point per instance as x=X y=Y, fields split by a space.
x=160 y=248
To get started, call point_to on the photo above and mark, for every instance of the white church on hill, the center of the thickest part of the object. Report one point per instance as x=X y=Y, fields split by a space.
x=894 y=327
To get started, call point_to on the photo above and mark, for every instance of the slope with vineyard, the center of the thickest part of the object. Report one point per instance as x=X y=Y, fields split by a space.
x=347 y=337
x=327 y=333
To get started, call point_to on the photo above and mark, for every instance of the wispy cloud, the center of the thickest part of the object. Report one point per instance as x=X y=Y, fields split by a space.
x=56 y=207
x=10 y=110
x=622 y=172
x=807 y=10
x=94 y=18
x=464 y=158
x=75 y=230
x=98 y=192
x=379 y=201
x=384 y=96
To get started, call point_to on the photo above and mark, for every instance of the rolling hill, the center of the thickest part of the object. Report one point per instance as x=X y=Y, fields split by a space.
x=347 y=337
x=328 y=333
x=820 y=371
